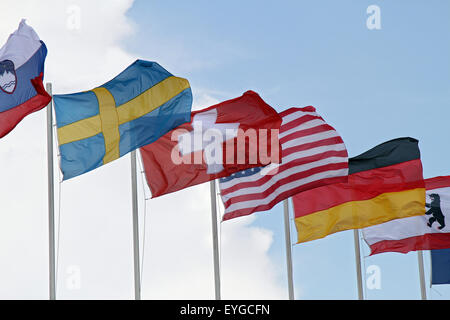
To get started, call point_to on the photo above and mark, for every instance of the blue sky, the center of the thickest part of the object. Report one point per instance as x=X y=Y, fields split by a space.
x=371 y=85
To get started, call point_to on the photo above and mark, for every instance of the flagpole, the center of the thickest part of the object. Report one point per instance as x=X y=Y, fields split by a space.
x=215 y=236
x=137 y=274
x=287 y=235
x=423 y=291
x=358 y=264
x=51 y=198
x=431 y=271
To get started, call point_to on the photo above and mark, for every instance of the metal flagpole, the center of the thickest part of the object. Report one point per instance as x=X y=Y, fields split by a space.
x=287 y=235
x=137 y=275
x=215 y=240
x=51 y=198
x=358 y=264
x=423 y=291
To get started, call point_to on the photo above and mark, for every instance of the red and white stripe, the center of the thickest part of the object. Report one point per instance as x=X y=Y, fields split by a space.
x=313 y=154
x=413 y=233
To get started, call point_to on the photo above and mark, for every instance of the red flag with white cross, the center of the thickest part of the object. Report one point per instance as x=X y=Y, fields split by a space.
x=228 y=137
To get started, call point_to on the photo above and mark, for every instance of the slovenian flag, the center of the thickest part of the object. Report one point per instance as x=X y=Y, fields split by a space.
x=21 y=74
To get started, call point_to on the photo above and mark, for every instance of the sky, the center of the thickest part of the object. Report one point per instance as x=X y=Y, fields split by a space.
x=372 y=85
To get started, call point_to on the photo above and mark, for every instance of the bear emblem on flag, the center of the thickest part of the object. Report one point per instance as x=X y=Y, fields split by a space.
x=435 y=211
x=8 y=78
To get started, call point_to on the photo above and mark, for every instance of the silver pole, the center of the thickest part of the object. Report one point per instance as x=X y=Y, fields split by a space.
x=423 y=291
x=137 y=274
x=358 y=264
x=51 y=198
x=287 y=236
x=215 y=240
x=431 y=272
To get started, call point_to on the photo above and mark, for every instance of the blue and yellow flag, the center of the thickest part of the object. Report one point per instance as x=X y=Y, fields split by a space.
x=134 y=109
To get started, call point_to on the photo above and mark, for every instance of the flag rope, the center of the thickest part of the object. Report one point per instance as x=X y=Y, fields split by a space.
x=364 y=257
x=219 y=209
x=143 y=240
x=435 y=290
x=141 y=171
x=58 y=231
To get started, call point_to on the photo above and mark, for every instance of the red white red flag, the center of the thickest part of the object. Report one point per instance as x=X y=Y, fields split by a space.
x=427 y=232
x=313 y=155
x=223 y=139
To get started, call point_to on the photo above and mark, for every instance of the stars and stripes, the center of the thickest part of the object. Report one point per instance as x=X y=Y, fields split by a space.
x=313 y=154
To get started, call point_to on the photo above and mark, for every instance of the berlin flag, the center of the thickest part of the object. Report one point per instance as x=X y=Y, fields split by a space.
x=425 y=232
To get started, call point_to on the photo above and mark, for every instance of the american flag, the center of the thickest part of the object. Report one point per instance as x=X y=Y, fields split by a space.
x=313 y=155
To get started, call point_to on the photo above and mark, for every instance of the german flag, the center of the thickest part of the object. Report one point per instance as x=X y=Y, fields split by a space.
x=384 y=183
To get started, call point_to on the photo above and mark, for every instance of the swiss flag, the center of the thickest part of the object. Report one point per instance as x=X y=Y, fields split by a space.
x=228 y=137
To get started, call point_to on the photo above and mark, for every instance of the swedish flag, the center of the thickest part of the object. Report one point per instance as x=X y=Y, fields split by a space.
x=134 y=109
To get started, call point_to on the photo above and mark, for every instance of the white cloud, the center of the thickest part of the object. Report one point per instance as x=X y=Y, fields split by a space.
x=203 y=100
x=95 y=234
x=182 y=223
x=247 y=270
x=79 y=55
